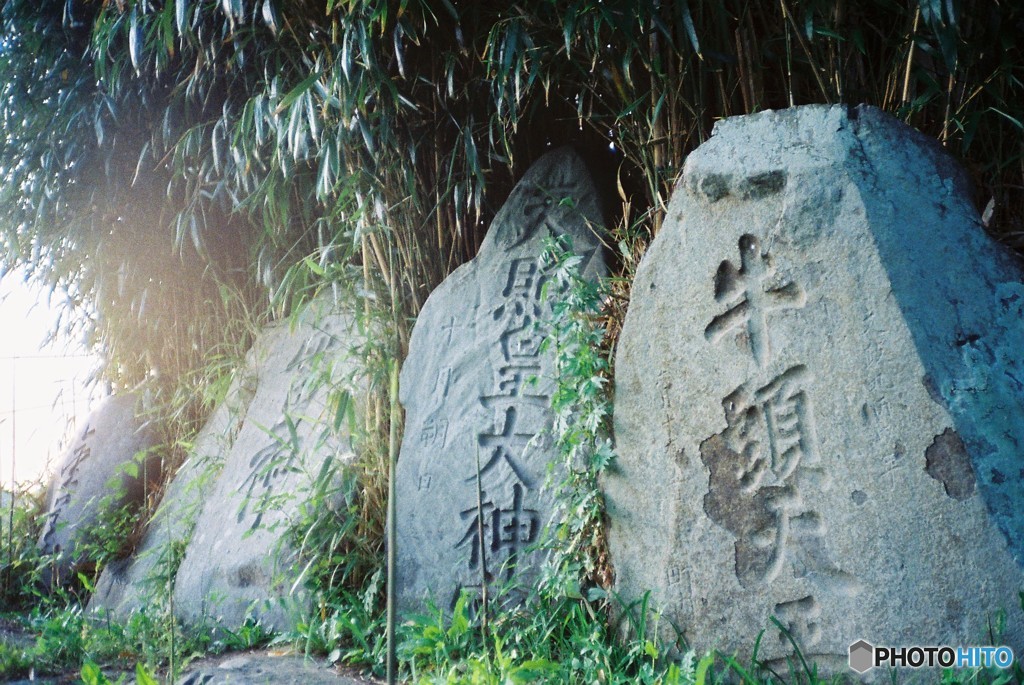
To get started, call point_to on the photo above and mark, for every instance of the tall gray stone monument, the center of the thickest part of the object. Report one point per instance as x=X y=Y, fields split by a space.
x=105 y=468
x=219 y=541
x=238 y=562
x=820 y=397
x=475 y=388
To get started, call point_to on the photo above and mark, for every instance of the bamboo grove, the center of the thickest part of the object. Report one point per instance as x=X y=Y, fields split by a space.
x=179 y=171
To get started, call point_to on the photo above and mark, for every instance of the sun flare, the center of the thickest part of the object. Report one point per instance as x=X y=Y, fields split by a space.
x=44 y=385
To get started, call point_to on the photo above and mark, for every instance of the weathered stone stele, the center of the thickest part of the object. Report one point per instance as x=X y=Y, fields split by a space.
x=145 y=580
x=104 y=468
x=238 y=562
x=819 y=407
x=475 y=386
x=226 y=514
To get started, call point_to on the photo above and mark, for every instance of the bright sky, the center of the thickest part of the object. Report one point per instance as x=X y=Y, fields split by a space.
x=42 y=389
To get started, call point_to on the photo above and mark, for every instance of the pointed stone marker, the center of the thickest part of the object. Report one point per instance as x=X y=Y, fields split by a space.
x=220 y=536
x=144 y=581
x=819 y=405
x=476 y=387
x=239 y=561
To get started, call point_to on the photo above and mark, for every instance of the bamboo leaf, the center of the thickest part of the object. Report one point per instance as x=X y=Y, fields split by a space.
x=1013 y=120
x=314 y=267
x=180 y=8
x=135 y=41
x=270 y=16
x=296 y=92
x=691 y=30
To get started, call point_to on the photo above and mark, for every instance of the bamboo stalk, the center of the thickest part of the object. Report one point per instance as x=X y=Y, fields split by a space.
x=746 y=91
x=910 y=58
x=946 y=115
x=789 y=64
x=658 y=125
x=392 y=671
x=483 y=556
x=170 y=608
x=364 y=245
x=378 y=253
x=807 y=51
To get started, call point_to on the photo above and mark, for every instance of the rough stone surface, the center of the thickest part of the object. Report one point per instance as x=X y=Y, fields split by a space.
x=224 y=519
x=106 y=467
x=144 y=580
x=476 y=385
x=819 y=403
x=237 y=562
x=269 y=666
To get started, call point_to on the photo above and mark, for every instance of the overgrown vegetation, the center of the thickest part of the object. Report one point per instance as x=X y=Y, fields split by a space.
x=182 y=172
x=180 y=169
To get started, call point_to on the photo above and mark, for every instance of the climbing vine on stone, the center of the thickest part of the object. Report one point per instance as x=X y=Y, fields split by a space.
x=582 y=409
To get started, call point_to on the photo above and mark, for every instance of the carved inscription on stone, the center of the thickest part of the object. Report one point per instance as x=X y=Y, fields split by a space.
x=816 y=388
x=239 y=559
x=537 y=204
x=800 y=618
x=68 y=482
x=759 y=465
x=506 y=533
x=266 y=466
x=476 y=387
x=768 y=457
x=751 y=294
x=284 y=441
x=434 y=433
x=91 y=477
x=505 y=515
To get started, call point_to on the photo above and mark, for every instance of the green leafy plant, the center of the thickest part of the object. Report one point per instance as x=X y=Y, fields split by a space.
x=92 y=675
x=581 y=405
x=21 y=562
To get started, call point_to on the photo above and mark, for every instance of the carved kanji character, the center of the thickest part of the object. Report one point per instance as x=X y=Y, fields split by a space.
x=750 y=297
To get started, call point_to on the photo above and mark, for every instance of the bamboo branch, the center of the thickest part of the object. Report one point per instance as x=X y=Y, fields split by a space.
x=910 y=58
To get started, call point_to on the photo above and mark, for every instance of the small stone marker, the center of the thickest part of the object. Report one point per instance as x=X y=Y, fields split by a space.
x=476 y=389
x=820 y=397
x=112 y=445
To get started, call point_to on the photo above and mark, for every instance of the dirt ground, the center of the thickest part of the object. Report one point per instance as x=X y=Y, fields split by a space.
x=269 y=666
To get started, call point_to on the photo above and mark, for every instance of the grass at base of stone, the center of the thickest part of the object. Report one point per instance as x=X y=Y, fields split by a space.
x=572 y=641
x=14 y=663
x=54 y=640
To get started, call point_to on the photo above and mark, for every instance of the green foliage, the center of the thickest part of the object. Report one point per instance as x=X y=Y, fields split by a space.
x=14 y=662
x=563 y=641
x=92 y=675
x=106 y=540
x=176 y=168
x=337 y=536
x=70 y=638
x=563 y=631
x=581 y=405
x=21 y=562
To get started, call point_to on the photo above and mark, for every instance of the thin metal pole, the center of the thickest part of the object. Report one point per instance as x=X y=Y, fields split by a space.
x=392 y=509
x=482 y=551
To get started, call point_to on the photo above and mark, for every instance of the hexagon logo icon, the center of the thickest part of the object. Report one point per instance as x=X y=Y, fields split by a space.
x=862 y=656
